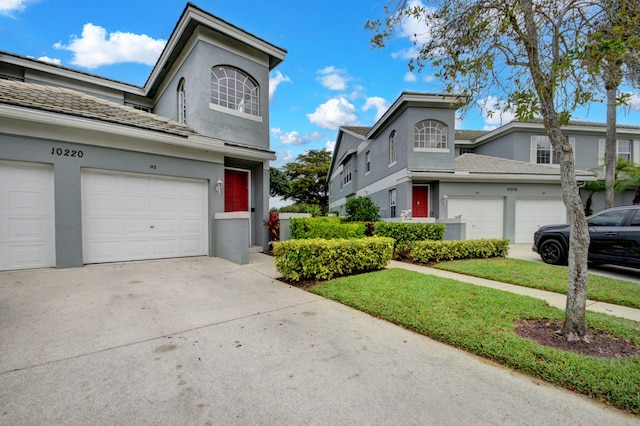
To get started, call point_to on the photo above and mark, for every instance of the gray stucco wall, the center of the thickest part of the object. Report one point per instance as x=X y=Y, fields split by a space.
x=196 y=70
x=419 y=160
x=67 y=171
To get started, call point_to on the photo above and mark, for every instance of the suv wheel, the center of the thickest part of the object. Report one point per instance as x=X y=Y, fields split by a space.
x=552 y=252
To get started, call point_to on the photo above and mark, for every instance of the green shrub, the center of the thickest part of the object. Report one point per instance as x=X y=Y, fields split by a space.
x=362 y=209
x=406 y=232
x=320 y=259
x=325 y=227
x=436 y=251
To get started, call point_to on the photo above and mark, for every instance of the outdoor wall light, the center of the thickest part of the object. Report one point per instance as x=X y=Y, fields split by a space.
x=219 y=185
x=444 y=199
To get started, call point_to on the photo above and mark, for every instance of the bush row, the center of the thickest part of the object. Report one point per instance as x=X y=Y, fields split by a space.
x=321 y=259
x=436 y=251
x=329 y=228
x=325 y=227
x=406 y=232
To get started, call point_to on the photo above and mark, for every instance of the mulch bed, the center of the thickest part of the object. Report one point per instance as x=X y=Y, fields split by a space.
x=602 y=344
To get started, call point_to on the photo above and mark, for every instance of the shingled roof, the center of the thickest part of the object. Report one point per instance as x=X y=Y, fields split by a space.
x=74 y=103
x=482 y=164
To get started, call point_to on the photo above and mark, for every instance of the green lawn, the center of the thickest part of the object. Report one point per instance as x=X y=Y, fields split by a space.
x=545 y=277
x=482 y=321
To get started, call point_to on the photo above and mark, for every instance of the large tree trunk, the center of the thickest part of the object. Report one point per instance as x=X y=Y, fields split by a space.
x=575 y=327
x=575 y=313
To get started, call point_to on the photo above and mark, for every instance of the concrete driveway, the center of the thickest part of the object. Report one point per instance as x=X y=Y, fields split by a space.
x=202 y=341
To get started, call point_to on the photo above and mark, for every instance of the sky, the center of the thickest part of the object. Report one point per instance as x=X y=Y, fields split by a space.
x=330 y=77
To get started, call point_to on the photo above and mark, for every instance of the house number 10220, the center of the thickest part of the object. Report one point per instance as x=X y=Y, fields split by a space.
x=66 y=152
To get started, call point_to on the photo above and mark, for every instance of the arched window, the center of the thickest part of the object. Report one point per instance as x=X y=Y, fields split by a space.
x=392 y=147
x=233 y=89
x=431 y=134
x=182 y=103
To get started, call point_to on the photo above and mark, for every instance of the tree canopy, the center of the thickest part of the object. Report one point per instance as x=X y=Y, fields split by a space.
x=279 y=184
x=308 y=177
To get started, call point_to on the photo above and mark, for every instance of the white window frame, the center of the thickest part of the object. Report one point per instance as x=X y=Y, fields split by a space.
x=632 y=155
x=367 y=162
x=431 y=136
x=553 y=157
x=182 y=102
x=235 y=92
x=393 y=202
x=392 y=148
x=345 y=175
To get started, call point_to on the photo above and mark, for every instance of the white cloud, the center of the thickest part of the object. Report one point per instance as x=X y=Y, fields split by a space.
x=333 y=78
x=7 y=7
x=275 y=79
x=495 y=112
x=334 y=113
x=416 y=30
x=286 y=156
x=294 y=138
x=381 y=105
x=429 y=78
x=410 y=77
x=330 y=146
x=50 y=60
x=95 y=49
x=633 y=102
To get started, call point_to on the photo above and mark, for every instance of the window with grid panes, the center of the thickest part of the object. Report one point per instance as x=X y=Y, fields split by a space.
x=233 y=89
x=430 y=134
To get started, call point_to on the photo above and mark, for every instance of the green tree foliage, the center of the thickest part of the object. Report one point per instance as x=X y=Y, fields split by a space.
x=611 y=54
x=628 y=177
x=530 y=51
x=279 y=184
x=308 y=176
x=362 y=209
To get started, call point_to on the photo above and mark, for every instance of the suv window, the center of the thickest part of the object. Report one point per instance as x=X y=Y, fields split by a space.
x=608 y=218
x=635 y=221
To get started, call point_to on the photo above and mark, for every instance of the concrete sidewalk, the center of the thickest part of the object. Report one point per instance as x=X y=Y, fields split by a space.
x=203 y=341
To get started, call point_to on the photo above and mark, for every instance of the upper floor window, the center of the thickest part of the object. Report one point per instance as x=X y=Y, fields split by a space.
x=392 y=148
x=431 y=134
x=367 y=162
x=233 y=89
x=182 y=103
x=542 y=152
x=346 y=174
x=625 y=148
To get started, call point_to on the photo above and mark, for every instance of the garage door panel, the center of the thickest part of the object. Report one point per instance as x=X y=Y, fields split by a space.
x=27 y=221
x=148 y=222
x=484 y=217
x=534 y=213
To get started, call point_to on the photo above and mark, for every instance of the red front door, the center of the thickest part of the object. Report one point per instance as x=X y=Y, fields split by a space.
x=420 y=201
x=236 y=191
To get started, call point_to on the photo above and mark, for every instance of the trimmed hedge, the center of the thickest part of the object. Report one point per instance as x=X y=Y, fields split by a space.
x=436 y=251
x=406 y=232
x=325 y=227
x=320 y=259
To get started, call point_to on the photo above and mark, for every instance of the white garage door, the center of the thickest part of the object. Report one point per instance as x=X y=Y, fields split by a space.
x=533 y=213
x=135 y=216
x=27 y=227
x=483 y=216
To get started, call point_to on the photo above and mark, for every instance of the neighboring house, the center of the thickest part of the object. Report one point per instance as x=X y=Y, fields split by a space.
x=95 y=170
x=503 y=183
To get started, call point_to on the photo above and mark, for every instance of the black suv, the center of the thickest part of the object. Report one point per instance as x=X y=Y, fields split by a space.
x=615 y=238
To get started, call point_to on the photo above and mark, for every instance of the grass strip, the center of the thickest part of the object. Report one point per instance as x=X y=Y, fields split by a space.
x=545 y=277
x=482 y=321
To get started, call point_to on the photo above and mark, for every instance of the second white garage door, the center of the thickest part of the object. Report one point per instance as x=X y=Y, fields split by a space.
x=533 y=213
x=135 y=216
x=484 y=216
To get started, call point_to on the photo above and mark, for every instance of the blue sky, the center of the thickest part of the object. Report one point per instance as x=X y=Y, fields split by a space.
x=330 y=77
